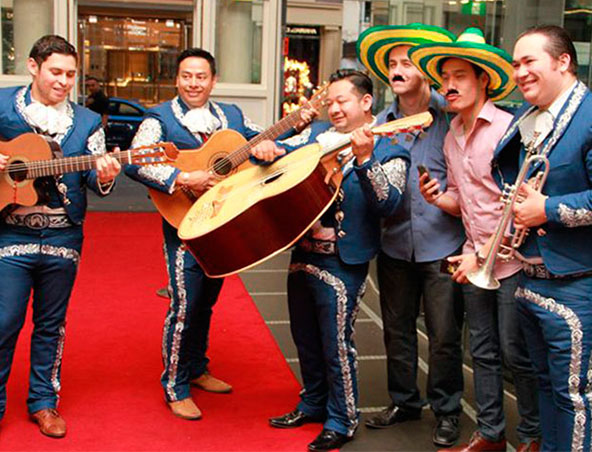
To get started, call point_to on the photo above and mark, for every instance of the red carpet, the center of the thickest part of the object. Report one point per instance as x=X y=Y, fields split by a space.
x=111 y=396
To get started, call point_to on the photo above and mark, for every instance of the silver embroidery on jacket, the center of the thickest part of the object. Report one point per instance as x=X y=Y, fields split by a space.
x=575 y=365
x=298 y=140
x=149 y=133
x=573 y=218
x=342 y=349
x=96 y=142
x=379 y=181
x=221 y=116
x=253 y=126
x=396 y=173
x=181 y=313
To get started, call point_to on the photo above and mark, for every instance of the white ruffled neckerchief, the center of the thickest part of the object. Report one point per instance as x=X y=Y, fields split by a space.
x=201 y=120
x=49 y=119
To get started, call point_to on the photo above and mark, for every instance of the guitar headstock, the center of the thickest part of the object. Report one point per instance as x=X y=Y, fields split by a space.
x=317 y=100
x=413 y=123
x=156 y=154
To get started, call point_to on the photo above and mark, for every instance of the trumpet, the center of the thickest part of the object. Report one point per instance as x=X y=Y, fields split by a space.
x=504 y=247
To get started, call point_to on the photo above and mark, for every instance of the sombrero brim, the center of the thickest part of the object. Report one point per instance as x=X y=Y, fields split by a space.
x=374 y=44
x=495 y=62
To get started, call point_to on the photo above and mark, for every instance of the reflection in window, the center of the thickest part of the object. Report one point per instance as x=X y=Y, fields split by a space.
x=239 y=40
x=134 y=57
x=23 y=22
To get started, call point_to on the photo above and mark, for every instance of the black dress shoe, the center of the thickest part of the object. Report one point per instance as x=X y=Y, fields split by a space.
x=292 y=419
x=329 y=440
x=392 y=415
x=446 y=432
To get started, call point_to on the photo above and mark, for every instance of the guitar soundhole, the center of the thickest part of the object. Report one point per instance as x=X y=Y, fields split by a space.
x=222 y=167
x=17 y=171
x=272 y=178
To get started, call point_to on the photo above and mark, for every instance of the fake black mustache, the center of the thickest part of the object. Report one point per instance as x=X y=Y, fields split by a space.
x=451 y=91
x=398 y=78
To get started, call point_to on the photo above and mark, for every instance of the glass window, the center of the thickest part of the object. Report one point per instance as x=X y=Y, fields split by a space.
x=129 y=110
x=23 y=22
x=239 y=27
x=133 y=52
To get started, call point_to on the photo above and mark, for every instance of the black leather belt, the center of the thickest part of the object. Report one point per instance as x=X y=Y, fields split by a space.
x=38 y=220
x=317 y=246
x=540 y=271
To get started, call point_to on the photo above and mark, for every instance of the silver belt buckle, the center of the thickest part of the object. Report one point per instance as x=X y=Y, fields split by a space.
x=36 y=221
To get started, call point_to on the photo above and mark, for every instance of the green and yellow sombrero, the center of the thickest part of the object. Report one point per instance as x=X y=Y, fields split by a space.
x=375 y=44
x=469 y=46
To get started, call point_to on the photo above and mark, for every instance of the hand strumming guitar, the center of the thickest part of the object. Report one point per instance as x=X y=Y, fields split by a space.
x=197 y=181
x=3 y=161
x=267 y=151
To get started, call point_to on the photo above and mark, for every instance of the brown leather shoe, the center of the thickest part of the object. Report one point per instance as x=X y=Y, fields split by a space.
x=530 y=446
x=50 y=422
x=209 y=383
x=185 y=409
x=478 y=444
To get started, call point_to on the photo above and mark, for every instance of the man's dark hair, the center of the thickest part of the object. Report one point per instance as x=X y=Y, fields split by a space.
x=361 y=81
x=199 y=53
x=558 y=43
x=45 y=46
x=91 y=77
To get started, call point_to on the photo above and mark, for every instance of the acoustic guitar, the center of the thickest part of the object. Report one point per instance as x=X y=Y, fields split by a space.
x=261 y=211
x=31 y=156
x=225 y=153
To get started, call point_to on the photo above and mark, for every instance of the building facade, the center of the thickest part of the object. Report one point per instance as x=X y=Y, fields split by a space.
x=270 y=53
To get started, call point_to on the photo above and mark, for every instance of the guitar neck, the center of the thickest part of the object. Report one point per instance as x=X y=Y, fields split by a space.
x=242 y=154
x=55 y=167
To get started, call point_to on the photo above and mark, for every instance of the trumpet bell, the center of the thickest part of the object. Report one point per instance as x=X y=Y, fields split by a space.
x=483 y=279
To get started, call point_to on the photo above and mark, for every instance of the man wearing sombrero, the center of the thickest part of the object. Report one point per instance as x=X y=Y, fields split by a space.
x=473 y=74
x=414 y=242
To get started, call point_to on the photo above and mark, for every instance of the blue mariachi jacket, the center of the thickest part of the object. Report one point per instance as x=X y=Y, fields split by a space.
x=371 y=191
x=163 y=123
x=566 y=247
x=85 y=136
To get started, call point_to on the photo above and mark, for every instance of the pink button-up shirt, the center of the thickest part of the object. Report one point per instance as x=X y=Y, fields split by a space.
x=470 y=182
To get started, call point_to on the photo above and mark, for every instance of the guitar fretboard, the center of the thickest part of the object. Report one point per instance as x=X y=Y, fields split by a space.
x=243 y=153
x=54 y=167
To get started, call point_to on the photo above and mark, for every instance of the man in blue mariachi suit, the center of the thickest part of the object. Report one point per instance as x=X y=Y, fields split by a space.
x=40 y=245
x=330 y=263
x=187 y=120
x=554 y=294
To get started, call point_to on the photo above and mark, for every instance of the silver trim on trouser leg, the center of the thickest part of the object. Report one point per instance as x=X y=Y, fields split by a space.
x=57 y=363
x=575 y=365
x=341 y=292
x=179 y=325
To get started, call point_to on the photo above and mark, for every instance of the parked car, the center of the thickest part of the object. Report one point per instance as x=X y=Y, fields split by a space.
x=124 y=118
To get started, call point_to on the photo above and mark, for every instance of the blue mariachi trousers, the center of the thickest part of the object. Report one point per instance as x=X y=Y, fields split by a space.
x=323 y=299
x=187 y=324
x=556 y=316
x=43 y=261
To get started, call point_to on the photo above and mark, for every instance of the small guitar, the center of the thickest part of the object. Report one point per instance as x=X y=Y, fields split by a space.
x=261 y=211
x=225 y=153
x=31 y=156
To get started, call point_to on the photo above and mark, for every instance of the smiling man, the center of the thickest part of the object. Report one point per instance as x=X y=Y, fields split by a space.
x=330 y=262
x=188 y=121
x=554 y=295
x=40 y=245
x=472 y=74
x=415 y=240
